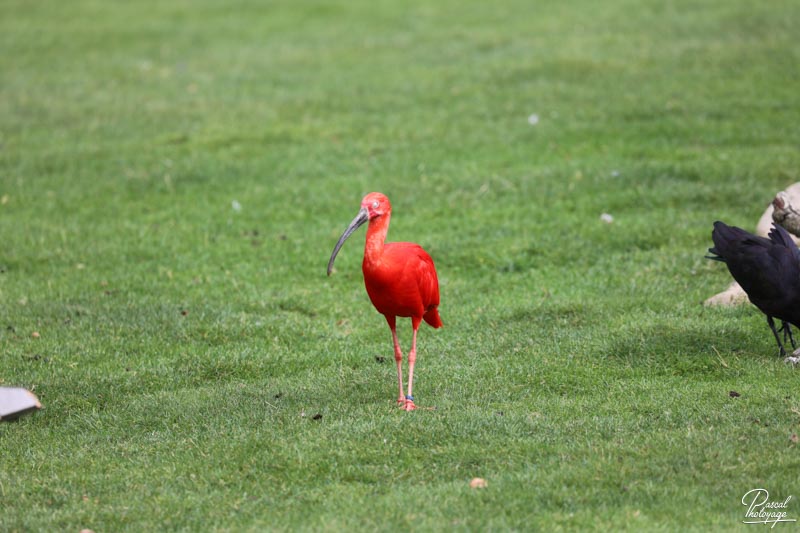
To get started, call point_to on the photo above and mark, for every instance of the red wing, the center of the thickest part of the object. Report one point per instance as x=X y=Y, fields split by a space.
x=428 y=281
x=410 y=283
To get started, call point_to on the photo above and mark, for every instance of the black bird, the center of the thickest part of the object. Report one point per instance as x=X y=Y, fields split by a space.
x=768 y=269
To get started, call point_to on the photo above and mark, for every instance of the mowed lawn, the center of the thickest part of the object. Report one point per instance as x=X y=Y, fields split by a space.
x=174 y=175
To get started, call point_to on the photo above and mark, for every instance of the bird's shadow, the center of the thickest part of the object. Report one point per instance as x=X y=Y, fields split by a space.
x=691 y=351
x=677 y=347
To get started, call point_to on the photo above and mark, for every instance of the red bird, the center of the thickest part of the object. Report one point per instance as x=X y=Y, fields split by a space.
x=400 y=279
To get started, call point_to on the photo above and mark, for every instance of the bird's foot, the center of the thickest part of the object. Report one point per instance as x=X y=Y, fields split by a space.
x=793 y=359
x=409 y=403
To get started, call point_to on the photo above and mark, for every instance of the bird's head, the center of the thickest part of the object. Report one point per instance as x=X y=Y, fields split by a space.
x=373 y=205
x=376 y=205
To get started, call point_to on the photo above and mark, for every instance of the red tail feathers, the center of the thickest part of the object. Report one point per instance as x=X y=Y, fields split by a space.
x=432 y=317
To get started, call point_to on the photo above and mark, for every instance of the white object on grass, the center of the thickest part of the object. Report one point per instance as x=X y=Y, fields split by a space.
x=16 y=401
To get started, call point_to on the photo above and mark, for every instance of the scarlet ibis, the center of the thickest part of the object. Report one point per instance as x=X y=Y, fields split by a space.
x=400 y=279
x=768 y=269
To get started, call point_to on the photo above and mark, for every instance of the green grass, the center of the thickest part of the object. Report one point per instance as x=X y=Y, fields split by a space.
x=185 y=347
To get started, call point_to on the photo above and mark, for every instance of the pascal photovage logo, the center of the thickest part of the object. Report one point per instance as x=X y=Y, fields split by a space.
x=760 y=510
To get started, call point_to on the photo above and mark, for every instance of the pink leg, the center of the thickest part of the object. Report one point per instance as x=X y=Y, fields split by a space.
x=398 y=357
x=412 y=358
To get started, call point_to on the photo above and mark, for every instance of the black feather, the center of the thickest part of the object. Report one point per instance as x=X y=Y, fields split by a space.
x=768 y=269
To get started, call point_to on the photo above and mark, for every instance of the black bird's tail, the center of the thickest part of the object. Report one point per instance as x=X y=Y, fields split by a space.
x=729 y=241
x=723 y=235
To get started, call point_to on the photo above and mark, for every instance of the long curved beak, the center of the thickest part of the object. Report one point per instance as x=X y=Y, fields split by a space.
x=362 y=217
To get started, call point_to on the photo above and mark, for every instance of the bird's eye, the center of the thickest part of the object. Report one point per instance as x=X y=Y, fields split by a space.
x=374 y=205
